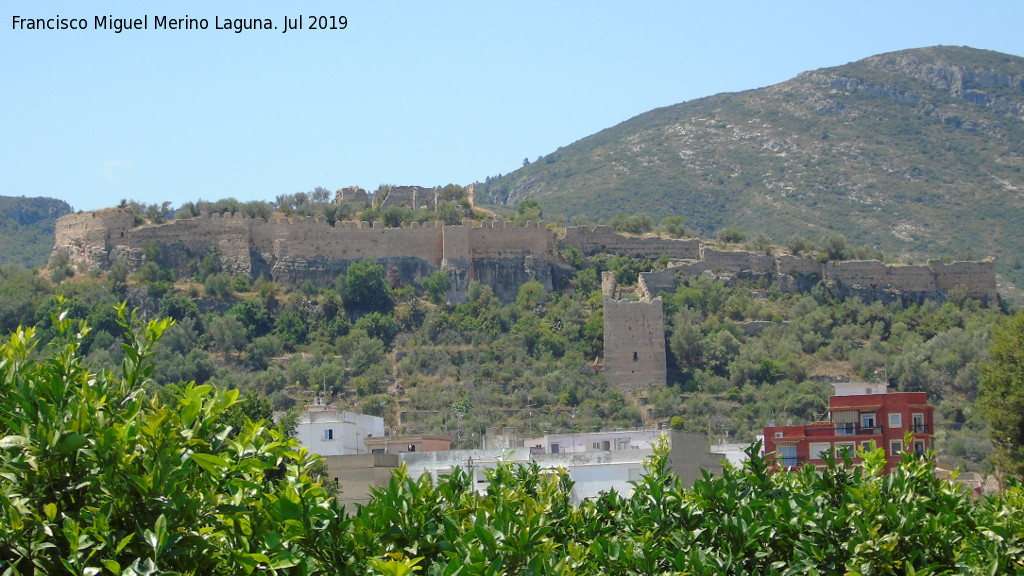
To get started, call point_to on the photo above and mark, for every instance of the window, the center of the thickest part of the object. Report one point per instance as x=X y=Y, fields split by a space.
x=895 y=447
x=867 y=420
x=554 y=447
x=779 y=434
x=917 y=421
x=329 y=434
x=377 y=451
x=787 y=456
x=847 y=429
x=896 y=420
x=867 y=445
x=845 y=448
x=820 y=449
x=919 y=447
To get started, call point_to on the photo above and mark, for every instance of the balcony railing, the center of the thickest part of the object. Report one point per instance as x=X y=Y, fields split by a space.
x=850 y=429
x=921 y=428
x=790 y=461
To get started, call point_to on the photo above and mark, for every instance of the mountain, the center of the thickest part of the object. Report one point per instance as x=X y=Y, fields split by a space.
x=26 y=229
x=918 y=153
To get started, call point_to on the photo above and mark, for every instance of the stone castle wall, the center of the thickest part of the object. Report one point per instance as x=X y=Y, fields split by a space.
x=502 y=255
x=411 y=197
x=604 y=239
x=89 y=236
x=502 y=240
x=344 y=241
x=294 y=250
x=352 y=195
x=868 y=279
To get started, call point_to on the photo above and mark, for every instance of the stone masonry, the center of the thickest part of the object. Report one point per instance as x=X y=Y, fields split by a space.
x=870 y=280
x=295 y=250
x=500 y=255
x=634 y=339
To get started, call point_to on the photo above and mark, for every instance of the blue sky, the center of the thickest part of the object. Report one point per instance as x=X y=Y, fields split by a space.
x=410 y=93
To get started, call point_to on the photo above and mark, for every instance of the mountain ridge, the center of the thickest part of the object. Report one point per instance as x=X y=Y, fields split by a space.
x=917 y=153
x=27 y=229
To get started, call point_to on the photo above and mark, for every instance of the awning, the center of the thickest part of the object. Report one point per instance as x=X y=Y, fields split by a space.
x=845 y=417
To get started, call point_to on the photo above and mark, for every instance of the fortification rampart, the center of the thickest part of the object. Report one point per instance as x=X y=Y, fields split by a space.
x=502 y=240
x=89 y=236
x=868 y=279
x=502 y=255
x=296 y=249
x=604 y=239
x=411 y=197
x=344 y=241
x=351 y=195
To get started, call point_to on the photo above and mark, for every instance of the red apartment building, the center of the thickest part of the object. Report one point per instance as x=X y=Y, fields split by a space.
x=858 y=415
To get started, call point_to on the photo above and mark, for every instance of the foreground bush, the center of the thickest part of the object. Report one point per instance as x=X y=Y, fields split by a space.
x=99 y=474
x=106 y=474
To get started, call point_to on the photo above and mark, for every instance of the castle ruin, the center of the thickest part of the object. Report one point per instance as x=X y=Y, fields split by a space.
x=295 y=250
x=634 y=339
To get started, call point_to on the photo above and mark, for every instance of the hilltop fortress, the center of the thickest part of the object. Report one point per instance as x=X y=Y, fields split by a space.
x=295 y=250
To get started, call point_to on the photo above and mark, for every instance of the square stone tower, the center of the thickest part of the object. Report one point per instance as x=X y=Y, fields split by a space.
x=634 y=339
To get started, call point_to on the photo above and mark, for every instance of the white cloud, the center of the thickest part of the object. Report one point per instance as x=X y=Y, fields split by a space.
x=115 y=169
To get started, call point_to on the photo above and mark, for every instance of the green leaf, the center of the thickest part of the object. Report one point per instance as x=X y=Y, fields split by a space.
x=71 y=442
x=209 y=462
x=124 y=542
x=13 y=442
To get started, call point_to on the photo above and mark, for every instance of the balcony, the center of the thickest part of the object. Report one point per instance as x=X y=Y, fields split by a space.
x=920 y=428
x=850 y=429
x=789 y=461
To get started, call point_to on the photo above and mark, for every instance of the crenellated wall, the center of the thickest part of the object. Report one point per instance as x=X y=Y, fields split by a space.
x=88 y=237
x=296 y=249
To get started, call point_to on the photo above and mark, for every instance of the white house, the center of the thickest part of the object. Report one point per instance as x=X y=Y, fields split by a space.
x=593 y=471
x=327 y=431
x=610 y=441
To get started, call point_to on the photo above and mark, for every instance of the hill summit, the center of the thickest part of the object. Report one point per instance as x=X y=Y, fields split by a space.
x=918 y=153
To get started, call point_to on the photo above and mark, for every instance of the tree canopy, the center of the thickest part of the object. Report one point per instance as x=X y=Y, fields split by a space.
x=112 y=473
x=1001 y=393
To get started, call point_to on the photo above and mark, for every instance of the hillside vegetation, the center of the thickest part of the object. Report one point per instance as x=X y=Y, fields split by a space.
x=112 y=472
x=26 y=229
x=429 y=366
x=918 y=153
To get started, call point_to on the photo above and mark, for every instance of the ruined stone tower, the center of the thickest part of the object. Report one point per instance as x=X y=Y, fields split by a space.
x=634 y=339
